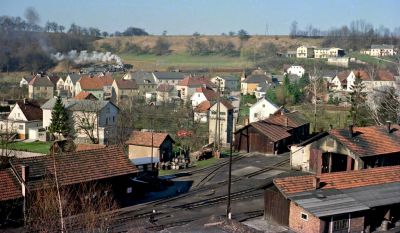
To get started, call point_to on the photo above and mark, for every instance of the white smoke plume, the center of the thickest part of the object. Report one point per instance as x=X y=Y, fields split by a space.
x=87 y=57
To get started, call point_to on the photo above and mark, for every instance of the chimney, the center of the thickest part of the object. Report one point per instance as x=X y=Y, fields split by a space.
x=315 y=182
x=351 y=133
x=389 y=124
x=25 y=178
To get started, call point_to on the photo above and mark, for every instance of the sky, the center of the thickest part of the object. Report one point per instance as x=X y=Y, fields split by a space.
x=210 y=17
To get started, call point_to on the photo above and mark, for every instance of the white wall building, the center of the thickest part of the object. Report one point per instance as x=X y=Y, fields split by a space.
x=261 y=110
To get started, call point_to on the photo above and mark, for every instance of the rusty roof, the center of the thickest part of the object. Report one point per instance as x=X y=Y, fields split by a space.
x=126 y=84
x=370 y=140
x=339 y=180
x=78 y=167
x=95 y=83
x=85 y=95
x=292 y=119
x=274 y=132
x=203 y=106
x=145 y=138
x=208 y=93
x=82 y=147
x=10 y=187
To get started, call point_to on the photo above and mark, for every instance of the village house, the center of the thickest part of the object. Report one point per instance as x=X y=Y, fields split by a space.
x=348 y=149
x=40 y=87
x=381 y=50
x=354 y=201
x=166 y=93
x=250 y=84
x=272 y=135
x=70 y=83
x=295 y=70
x=101 y=87
x=221 y=126
x=106 y=167
x=345 y=80
x=25 y=119
x=201 y=112
x=227 y=83
x=261 y=110
x=147 y=148
x=168 y=77
x=145 y=81
x=84 y=95
x=202 y=94
x=305 y=52
x=187 y=86
x=92 y=119
x=124 y=90
x=328 y=52
x=25 y=81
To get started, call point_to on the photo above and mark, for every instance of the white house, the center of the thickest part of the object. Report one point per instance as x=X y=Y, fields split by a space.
x=296 y=70
x=345 y=80
x=96 y=118
x=227 y=83
x=69 y=84
x=382 y=50
x=24 y=119
x=261 y=110
x=201 y=112
x=25 y=81
x=202 y=94
x=305 y=52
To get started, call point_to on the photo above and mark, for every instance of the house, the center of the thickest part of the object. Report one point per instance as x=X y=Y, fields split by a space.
x=295 y=70
x=305 y=52
x=24 y=120
x=354 y=201
x=40 y=87
x=201 y=112
x=349 y=149
x=274 y=134
x=261 y=110
x=124 y=90
x=168 y=77
x=145 y=81
x=202 y=94
x=250 y=84
x=227 y=83
x=187 y=86
x=339 y=61
x=382 y=50
x=328 y=52
x=339 y=82
x=221 y=126
x=106 y=167
x=166 y=93
x=345 y=80
x=101 y=87
x=70 y=84
x=146 y=148
x=93 y=120
x=84 y=95
x=25 y=81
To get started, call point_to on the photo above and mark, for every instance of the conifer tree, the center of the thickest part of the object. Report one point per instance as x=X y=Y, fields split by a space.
x=357 y=98
x=60 y=123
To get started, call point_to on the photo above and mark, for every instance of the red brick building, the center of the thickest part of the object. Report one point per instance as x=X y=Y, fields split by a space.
x=352 y=201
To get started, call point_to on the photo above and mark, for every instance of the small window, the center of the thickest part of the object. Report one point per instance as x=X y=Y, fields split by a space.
x=21 y=127
x=304 y=216
x=129 y=190
x=263 y=105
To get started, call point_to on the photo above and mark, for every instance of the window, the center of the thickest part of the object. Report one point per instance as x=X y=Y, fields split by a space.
x=21 y=127
x=340 y=225
x=263 y=105
x=255 y=114
x=304 y=216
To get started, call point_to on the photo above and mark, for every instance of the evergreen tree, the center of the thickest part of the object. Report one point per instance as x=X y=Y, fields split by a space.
x=357 y=98
x=60 y=119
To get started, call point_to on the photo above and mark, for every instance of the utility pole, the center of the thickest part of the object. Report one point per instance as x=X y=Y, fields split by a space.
x=228 y=207
x=152 y=144
x=219 y=115
x=217 y=125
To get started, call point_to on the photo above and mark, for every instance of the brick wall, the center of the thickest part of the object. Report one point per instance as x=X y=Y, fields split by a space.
x=356 y=223
x=296 y=223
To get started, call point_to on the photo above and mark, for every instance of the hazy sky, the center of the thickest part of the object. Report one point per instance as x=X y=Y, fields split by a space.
x=208 y=16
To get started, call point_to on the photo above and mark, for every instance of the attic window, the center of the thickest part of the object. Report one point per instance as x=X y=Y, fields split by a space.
x=304 y=216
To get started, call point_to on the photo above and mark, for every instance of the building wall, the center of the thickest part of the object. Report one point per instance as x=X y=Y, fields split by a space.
x=197 y=98
x=136 y=151
x=248 y=88
x=299 y=225
x=261 y=110
x=16 y=114
x=226 y=124
x=40 y=92
x=296 y=70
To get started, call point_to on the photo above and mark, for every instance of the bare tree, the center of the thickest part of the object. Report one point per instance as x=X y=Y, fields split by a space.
x=7 y=135
x=87 y=120
x=315 y=87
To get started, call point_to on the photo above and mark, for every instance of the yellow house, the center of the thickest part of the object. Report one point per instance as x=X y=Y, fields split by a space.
x=305 y=52
x=250 y=84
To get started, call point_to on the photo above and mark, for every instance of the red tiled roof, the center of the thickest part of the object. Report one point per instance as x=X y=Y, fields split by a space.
x=106 y=79
x=203 y=106
x=190 y=81
x=78 y=167
x=384 y=75
x=227 y=104
x=363 y=75
x=82 y=147
x=208 y=93
x=293 y=119
x=144 y=138
x=339 y=180
x=95 y=83
x=85 y=95
x=274 y=132
x=369 y=141
x=31 y=109
x=10 y=188
x=126 y=84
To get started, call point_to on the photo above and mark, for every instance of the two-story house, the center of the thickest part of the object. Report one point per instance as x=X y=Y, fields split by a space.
x=382 y=50
x=168 y=77
x=250 y=84
x=145 y=81
x=227 y=83
x=261 y=110
x=93 y=120
x=187 y=86
x=70 y=83
x=24 y=120
x=124 y=89
x=41 y=87
x=296 y=70
x=203 y=94
x=305 y=52
x=166 y=93
x=101 y=87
